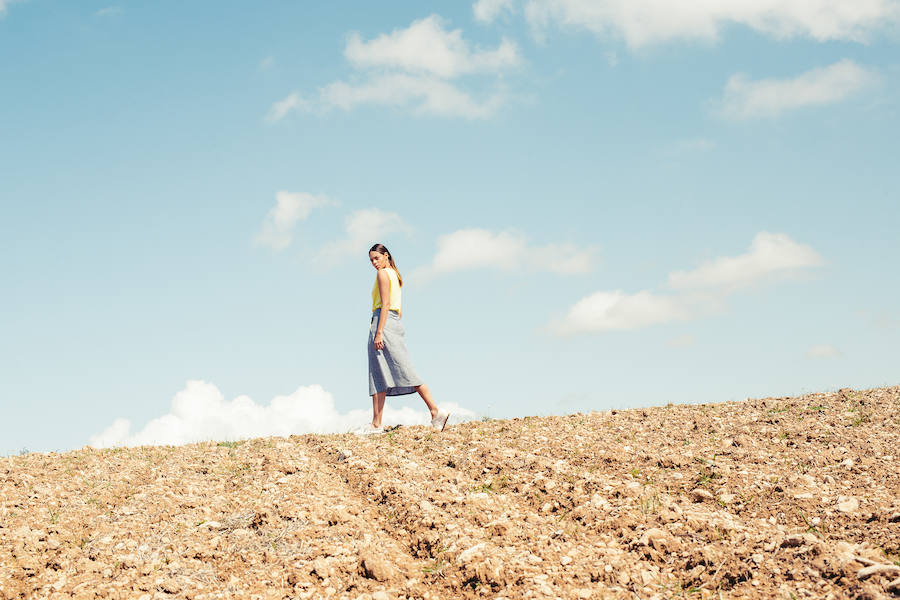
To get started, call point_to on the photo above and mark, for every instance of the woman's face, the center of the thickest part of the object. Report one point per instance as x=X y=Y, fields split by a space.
x=378 y=260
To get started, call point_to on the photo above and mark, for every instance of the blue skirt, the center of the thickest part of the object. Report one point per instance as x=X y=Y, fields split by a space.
x=390 y=369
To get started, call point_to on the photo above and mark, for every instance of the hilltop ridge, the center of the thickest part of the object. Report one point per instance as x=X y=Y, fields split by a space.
x=764 y=498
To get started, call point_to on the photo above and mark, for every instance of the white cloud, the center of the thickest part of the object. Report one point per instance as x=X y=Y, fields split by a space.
x=645 y=22
x=608 y=311
x=281 y=108
x=362 y=229
x=290 y=207
x=469 y=249
x=769 y=254
x=486 y=11
x=701 y=291
x=427 y=47
x=822 y=351
x=200 y=412
x=4 y=5
x=745 y=98
x=415 y=69
x=424 y=95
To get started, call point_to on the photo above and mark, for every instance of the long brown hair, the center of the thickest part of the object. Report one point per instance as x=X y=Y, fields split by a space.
x=379 y=248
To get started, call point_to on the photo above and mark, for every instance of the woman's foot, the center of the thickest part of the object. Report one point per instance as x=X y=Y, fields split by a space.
x=439 y=421
x=369 y=430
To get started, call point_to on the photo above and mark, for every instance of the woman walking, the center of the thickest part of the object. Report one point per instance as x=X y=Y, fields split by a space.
x=390 y=369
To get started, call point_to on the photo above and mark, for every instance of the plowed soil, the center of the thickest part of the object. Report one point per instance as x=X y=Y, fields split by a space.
x=765 y=498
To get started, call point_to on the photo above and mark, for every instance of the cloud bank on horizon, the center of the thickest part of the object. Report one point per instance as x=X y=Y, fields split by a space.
x=200 y=413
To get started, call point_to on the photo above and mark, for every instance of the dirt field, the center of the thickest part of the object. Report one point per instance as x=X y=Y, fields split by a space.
x=774 y=498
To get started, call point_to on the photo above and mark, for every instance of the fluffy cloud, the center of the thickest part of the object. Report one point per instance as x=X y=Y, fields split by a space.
x=744 y=98
x=645 y=22
x=769 y=254
x=285 y=106
x=426 y=47
x=290 y=207
x=488 y=10
x=423 y=95
x=362 y=229
x=199 y=412
x=701 y=290
x=469 y=249
x=609 y=311
x=822 y=351
x=415 y=68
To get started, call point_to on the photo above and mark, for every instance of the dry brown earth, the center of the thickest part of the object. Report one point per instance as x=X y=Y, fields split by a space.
x=774 y=498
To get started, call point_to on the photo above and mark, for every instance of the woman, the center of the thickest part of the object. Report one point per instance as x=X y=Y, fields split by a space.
x=390 y=369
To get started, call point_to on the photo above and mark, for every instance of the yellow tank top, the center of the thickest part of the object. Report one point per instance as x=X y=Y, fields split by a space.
x=395 y=291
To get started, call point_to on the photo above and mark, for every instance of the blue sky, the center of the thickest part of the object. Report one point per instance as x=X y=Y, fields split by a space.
x=595 y=204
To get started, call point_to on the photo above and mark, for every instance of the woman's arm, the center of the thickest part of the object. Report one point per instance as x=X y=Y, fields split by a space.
x=384 y=288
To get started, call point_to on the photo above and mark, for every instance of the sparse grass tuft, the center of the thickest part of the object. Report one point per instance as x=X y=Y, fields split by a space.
x=859 y=420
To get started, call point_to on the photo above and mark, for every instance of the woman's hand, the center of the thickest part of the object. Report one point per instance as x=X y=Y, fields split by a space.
x=379 y=341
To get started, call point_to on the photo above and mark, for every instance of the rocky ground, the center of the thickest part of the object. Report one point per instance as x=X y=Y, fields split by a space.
x=773 y=498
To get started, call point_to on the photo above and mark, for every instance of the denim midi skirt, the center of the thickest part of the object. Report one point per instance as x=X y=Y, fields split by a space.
x=390 y=369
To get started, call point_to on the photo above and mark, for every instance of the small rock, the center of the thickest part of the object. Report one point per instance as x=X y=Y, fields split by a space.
x=847 y=504
x=467 y=555
x=321 y=568
x=894 y=518
x=375 y=567
x=655 y=537
x=700 y=495
x=343 y=455
x=757 y=558
x=565 y=560
x=743 y=441
x=380 y=595
x=798 y=539
x=876 y=569
x=584 y=593
x=727 y=498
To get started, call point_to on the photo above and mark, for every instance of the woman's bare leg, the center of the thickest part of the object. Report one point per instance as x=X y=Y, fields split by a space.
x=429 y=401
x=377 y=408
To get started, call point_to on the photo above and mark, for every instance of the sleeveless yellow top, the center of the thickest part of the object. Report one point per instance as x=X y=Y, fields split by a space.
x=395 y=291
